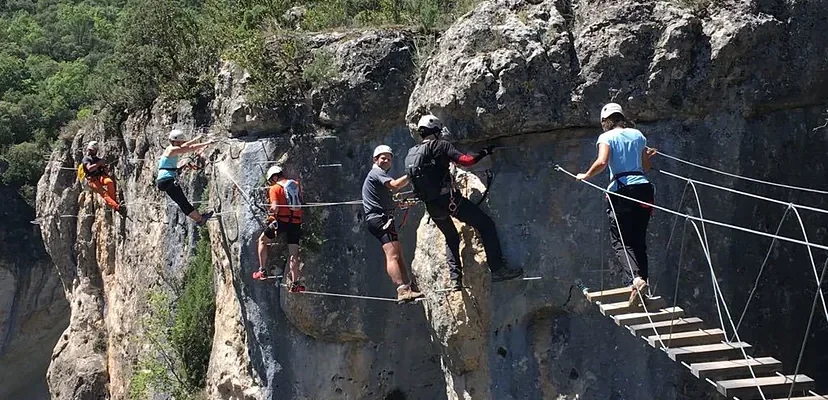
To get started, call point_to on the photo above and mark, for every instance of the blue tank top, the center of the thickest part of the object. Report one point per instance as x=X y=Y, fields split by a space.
x=167 y=168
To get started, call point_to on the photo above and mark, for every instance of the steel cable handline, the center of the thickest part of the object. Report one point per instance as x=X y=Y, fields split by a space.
x=807 y=332
x=632 y=273
x=694 y=218
x=718 y=289
x=791 y=206
x=755 y=196
x=732 y=175
x=341 y=203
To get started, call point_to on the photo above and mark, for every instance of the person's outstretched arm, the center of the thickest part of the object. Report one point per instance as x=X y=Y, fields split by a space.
x=599 y=164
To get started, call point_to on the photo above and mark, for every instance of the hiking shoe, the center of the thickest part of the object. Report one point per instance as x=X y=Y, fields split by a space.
x=505 y=274
x=204 y=218
x=638 y=286
x=121 y=210
x=455 y=285
x=296 y=287
x=405 y=294
x=260 y=275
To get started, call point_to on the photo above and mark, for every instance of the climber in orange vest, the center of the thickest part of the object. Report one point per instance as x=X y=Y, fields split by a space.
x=98 y=179
x=285 y=219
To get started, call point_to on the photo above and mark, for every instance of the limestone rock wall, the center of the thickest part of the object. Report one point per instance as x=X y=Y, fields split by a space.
x=736 y=86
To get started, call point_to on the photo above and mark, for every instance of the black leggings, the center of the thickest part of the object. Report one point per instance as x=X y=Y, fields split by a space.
x=632 y=218
x=170 y=186
x=472 y=215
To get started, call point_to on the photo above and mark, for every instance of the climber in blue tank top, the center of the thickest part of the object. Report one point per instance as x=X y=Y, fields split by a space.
x=624 y=150
x=168 y=173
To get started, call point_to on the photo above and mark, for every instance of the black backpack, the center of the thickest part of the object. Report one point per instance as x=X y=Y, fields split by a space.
x=423 y=172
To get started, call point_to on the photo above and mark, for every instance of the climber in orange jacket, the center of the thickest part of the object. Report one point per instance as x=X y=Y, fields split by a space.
x=98 y=179
x=285 y=219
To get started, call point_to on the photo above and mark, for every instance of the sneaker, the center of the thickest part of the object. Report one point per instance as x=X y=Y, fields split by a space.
x=296 y=287
x=505 y=274
x=456 y=285
x=405 y=294
x=638 y=286
x=204 y=217
x=260 y=275
x=121 y=210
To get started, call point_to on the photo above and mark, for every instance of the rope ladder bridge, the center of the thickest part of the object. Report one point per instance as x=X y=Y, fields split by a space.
x=707 y=352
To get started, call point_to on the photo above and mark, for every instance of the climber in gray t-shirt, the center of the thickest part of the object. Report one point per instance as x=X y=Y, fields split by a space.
x=379 y=206
x=376 y=196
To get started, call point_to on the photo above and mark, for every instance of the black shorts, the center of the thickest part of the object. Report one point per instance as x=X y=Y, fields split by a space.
x=375 y=224
x=293 y=231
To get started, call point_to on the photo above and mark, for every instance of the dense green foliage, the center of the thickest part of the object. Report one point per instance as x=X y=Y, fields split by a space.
x=179 y=333
x=64 y=59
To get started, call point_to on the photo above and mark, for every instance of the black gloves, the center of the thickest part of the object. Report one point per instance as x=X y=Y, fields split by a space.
x=487 y=151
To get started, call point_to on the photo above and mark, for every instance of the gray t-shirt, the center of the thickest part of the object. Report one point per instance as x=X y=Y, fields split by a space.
x=376 y=198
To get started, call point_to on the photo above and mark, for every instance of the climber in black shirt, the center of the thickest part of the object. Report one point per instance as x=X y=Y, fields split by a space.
x=427 y=166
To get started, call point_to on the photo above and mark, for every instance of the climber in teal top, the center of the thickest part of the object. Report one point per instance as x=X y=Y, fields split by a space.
x=168 y=173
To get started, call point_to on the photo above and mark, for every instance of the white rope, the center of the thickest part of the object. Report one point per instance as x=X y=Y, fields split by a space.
x=641 y=298
x=694 y=218
x=741 y=177
x=307 y=205
x=755 y=196
x=717 y=289
x=350 y=296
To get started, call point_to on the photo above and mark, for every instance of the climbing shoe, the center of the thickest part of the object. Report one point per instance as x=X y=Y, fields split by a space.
x=204 y=217
x=638 y=286
x=505 y=274
x=296 y=287
x=260 y=275
x=406 y=294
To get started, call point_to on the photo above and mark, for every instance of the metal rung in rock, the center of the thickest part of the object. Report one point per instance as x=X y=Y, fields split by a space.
x=692 y=338
x=654 y=316
x=665 y=327
x=735 y=368
x=708 y=352
x=771 y=385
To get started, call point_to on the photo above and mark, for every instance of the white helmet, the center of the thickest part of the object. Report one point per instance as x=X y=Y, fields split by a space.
x=430 y=122
x=93 y=145
x=611 y=108
x=274 y=170
x=176 y=135
x=381 y=149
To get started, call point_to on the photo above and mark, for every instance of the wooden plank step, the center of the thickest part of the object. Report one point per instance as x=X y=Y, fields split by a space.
x=771 y=385
x=665 y=327
x=692 y=338
x=708 y=352
x=656 y=316
x=735 y=368
x=609 y=295
x=653 y=303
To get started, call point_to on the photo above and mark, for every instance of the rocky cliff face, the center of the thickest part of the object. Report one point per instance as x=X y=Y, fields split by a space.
x=33 y=311
x=737 y=86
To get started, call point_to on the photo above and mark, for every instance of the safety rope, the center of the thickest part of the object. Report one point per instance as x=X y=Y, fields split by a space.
x=789 y=205
x=739 y=176
x=761 y=270
x=638 y=293
x=807 y=331
x=717 y=290
x=755 y=196
x=350 y=296
x=709 y=221
x=308 y=205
